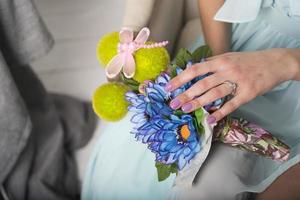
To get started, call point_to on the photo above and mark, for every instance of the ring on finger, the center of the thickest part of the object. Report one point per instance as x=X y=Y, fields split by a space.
x=232 y=85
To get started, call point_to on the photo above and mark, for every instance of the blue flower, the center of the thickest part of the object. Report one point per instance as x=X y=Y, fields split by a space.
x=154 y=102
x=155 y=92
x=176 y=142
x=140 y=106
x=146 y=132
x=173 y=139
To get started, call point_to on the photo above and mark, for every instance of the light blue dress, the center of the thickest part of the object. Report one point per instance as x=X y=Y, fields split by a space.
x=121 y=168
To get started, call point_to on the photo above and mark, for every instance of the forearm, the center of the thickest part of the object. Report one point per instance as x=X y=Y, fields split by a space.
x=137 y=13
x=216 y=34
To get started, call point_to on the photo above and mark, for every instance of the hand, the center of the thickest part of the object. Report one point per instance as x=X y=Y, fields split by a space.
x=254 y=72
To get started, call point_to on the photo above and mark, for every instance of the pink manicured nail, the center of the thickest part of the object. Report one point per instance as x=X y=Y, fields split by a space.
x=175 y=104
x=168 y=87
x=187 y=107
x=211 y=119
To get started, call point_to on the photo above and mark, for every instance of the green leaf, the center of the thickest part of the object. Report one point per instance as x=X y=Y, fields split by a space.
x=173 y=71
x=247 y=130
x=174 y=168
x=199 y=114
x=178 y=113
x=200 y=53
x=133 y=84
x=134 y=88
x=263 y=143
x=163 y=171
x=182 y=58
x=199 y=127
x=129 y=81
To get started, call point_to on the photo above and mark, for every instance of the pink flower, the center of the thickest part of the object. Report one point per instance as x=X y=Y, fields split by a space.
x=259 y=132
x=235 y=137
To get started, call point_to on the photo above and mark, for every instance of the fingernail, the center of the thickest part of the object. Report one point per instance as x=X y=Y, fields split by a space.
x=211 y=119
x=168 y=87
x=175 y=104
x=187 y=107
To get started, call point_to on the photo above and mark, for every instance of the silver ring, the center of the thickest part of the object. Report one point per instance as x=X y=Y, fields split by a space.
x=233 y=86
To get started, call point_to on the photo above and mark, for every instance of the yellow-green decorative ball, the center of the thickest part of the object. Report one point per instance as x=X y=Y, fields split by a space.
x=109 y=101
x=150 y=63
x=107 y=47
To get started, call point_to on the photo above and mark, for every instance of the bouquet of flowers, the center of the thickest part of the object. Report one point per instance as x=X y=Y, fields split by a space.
x=180 y=141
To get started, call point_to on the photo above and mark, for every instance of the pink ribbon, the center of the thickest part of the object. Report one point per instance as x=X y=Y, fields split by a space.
x=126 y=48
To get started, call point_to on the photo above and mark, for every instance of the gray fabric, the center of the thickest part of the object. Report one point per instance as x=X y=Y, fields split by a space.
x=46 y=168
x=39 y=132
x=15 y=124
x=24 y=36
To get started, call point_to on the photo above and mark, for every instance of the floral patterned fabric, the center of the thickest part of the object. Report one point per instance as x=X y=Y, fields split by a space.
x=249 y=136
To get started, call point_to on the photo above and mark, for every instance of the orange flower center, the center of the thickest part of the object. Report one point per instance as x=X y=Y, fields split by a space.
x=185 y=132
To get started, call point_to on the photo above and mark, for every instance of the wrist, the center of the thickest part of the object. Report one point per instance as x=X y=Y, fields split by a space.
x=290 y=63
x=293 y=57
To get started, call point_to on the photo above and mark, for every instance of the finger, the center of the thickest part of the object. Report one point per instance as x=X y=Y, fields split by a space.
x=210 y=96
x=226 y=109
x=189 y=74
x=196 y=90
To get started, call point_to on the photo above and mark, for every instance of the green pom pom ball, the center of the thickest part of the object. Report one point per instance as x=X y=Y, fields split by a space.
x=109 y=101
x=107 y=47
x=149 y=62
